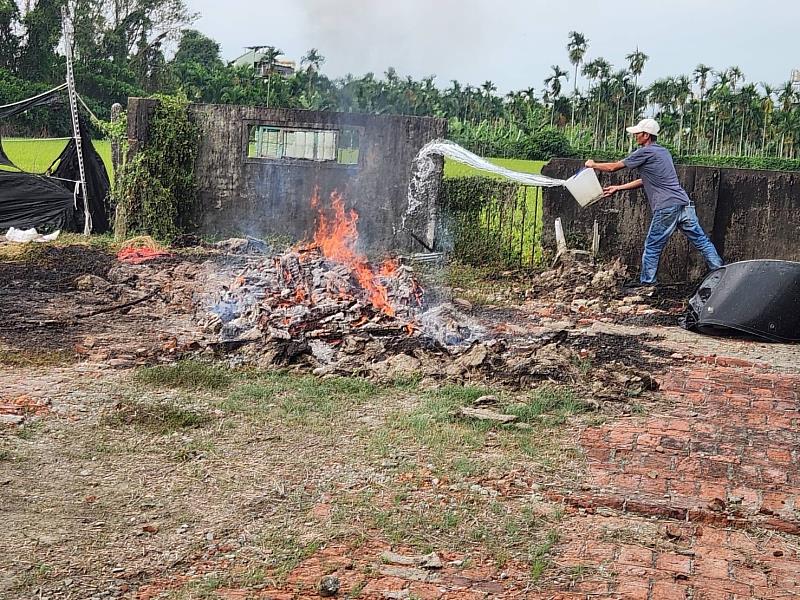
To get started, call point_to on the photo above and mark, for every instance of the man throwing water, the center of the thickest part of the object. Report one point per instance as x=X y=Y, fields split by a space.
x=672 y=208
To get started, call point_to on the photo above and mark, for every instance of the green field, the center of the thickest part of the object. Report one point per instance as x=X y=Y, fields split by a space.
x=35 y=155
x=456 y=169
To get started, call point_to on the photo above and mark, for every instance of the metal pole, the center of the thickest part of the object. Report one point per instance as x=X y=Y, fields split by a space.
x=73 y=107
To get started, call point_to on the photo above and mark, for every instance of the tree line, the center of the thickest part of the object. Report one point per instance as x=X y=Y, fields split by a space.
x=121 y=51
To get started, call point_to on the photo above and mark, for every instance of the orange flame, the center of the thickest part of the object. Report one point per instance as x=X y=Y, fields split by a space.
x=336 y=237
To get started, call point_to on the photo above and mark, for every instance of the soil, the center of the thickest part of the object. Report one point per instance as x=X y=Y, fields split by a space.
x=119 y=482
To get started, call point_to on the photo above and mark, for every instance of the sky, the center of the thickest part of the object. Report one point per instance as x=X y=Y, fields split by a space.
x=512 y=43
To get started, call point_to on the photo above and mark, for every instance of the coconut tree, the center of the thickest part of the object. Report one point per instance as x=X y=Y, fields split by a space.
x=576 y=47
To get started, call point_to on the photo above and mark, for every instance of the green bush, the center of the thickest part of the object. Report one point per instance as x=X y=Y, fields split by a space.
x=157 y=194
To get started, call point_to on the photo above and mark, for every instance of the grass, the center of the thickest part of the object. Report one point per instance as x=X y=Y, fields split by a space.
x=456 y=169
x=35 y=358
x=264 y=395
x=188 y=375
x=159 y=417
x=36 y=155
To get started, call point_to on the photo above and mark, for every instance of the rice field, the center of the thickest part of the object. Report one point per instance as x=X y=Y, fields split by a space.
x=35 y=155
x=455 y=169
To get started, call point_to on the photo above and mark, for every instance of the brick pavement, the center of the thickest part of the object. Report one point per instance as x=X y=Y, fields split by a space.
x=700 y=500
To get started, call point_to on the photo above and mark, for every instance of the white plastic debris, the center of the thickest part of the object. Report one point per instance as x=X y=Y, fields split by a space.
x=23 y=236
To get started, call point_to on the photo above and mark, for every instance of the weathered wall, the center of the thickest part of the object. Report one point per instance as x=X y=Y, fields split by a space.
x=241 y=195
x=748 y=214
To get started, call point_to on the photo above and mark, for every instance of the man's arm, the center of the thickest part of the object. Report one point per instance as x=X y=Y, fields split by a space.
x=608 y=167
x=613 y=189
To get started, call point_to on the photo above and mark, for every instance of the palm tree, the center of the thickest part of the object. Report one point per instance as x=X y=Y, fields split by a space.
x=636 y=61
x=683 y=89
x=270 y=57
x=488 y=87
x=700 y=76
x=618 y=88
x=735 y=75
x=313 y=61
x=576 y=47
x=553 y=84
x=767 y=106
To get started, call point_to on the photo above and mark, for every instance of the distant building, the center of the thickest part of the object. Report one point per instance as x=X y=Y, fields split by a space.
x=255 y=59
x=795 y=79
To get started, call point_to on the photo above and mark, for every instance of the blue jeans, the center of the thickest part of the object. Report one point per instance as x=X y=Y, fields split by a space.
x=663 y=225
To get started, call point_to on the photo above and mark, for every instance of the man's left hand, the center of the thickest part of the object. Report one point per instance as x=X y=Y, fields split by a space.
x=590 y=164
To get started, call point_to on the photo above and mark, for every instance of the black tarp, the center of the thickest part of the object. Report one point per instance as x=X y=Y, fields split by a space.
x=28 y=200
x=97 y=182
x=759 y=298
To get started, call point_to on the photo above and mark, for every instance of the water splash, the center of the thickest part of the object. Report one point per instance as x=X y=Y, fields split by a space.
x=455 y=152
x=422 y=186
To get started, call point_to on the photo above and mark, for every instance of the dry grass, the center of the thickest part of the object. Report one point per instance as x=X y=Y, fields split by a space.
x=247 y=456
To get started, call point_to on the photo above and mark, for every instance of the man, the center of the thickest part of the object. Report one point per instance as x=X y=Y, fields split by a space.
x=671 y=206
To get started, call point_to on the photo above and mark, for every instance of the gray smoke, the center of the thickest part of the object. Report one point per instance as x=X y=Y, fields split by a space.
x=416 y=37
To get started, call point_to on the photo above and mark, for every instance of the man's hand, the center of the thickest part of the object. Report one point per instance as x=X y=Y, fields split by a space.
x=610 y=190
x=590 y=164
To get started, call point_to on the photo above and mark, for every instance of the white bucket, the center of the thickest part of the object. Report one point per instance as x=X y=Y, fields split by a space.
x=584 y=187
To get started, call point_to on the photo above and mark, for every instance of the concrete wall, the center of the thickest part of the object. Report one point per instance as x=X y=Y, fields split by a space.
x=241 y=195
x=747 y=213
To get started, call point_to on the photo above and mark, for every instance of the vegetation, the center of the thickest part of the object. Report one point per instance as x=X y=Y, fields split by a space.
x=156 y=193
x=120 y=52
x=36 y=155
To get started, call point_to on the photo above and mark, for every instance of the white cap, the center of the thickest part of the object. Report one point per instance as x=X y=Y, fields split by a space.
x=645 y=126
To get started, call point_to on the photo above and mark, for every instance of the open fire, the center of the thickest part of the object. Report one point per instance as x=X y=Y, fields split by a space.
x=318 y=290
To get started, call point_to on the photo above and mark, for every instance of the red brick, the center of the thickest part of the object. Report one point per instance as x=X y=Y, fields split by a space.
x=749 y=576
x=425 y=591
x=711 y=568
x=632 y=589
x=635 y=555
x=674 y=563
x=666 y=590
x=779 y=455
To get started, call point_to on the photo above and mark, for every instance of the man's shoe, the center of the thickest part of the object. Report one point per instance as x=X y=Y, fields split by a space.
x=635 y=284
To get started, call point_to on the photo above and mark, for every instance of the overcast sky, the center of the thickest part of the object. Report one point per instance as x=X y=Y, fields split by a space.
x=512 y=42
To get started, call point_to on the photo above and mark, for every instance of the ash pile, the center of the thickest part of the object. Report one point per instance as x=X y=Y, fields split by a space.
x=303 y=308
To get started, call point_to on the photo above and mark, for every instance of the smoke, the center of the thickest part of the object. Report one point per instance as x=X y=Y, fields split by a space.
x=416 y=37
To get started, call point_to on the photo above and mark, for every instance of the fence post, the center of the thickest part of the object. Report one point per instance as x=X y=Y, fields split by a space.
x=116 y=111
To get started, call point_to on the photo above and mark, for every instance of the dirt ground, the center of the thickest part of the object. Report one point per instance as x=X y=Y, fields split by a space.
x=139 y=459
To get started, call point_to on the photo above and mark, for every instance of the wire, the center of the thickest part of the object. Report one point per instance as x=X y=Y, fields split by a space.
x=55 y=89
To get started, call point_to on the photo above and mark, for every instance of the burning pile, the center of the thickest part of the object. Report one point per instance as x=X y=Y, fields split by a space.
x=316 y=292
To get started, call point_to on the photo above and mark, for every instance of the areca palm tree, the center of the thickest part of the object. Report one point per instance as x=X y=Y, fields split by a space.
x=636 y=61
x=270 y=57
x=313 y=61
x=767 y=106
x=553 y=84
x=700 y=77
x=576 y=47
x=683 y=89
x=735 y=75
